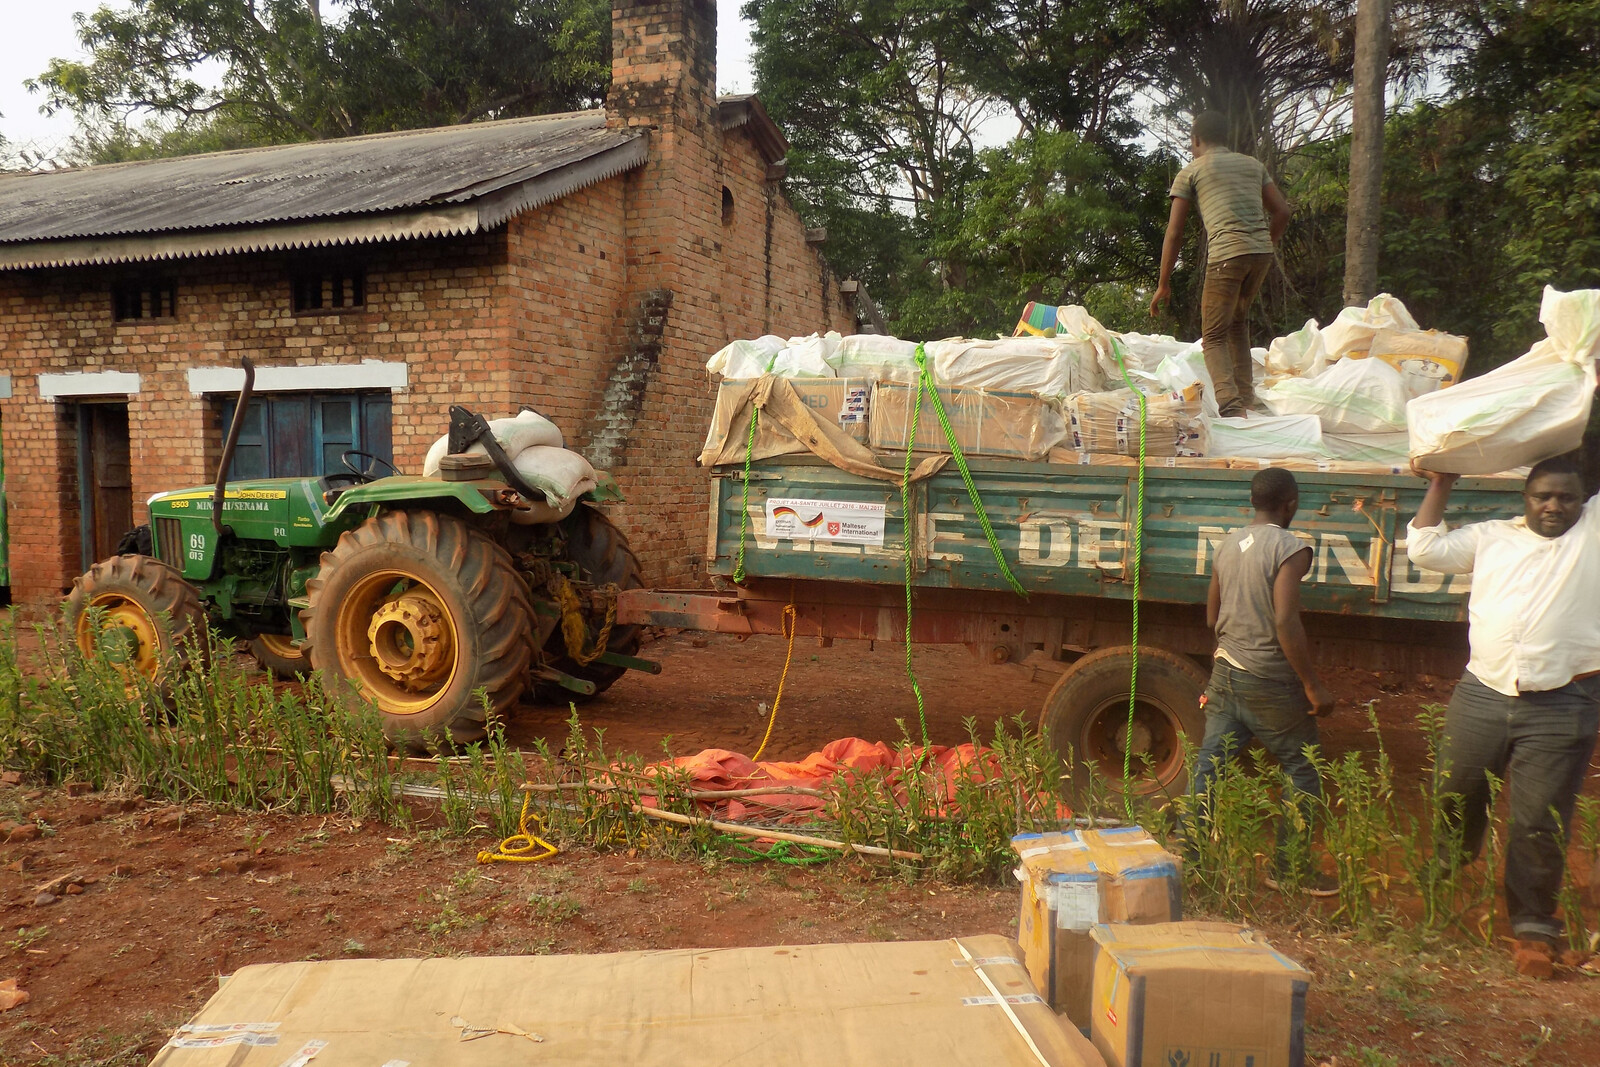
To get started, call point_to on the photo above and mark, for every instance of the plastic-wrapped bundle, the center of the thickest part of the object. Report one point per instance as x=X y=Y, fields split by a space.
x=1534 y=407
x=1352 y=396
x=1108 y=423
x=798 y=357
x=1266 y=437
x=1052 y=367
x=874 y=356
x=1350 y=335
x=1426 y=359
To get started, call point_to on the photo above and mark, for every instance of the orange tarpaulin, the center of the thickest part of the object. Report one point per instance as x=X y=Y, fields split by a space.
x=719 y=770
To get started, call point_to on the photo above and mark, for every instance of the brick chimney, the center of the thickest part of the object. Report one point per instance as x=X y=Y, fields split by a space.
x=663 y=63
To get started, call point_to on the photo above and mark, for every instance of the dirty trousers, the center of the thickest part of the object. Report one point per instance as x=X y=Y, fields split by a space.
x=1239 y=706
x=1539 y=745
x=1230 y=288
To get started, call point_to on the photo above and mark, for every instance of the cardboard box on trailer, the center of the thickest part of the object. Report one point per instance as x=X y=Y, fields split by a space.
x=951 y=1003
x=985 y=422
x=843 y=401
x=1074 y=879
x=1196 y=994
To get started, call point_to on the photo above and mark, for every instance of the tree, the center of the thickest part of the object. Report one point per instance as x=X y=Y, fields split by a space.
x=1370 y=76
x=302 y=70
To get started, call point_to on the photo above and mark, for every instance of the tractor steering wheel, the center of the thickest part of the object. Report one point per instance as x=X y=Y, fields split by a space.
x=369 y=468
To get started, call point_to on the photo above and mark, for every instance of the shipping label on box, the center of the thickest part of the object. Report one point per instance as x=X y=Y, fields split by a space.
x=1196 y=994
x=1075 y=879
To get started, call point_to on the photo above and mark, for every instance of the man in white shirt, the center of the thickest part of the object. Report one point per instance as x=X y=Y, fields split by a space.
x=1528 y=708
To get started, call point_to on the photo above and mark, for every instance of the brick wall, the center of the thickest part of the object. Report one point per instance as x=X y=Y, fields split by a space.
x=599 y=310
x=440 y=306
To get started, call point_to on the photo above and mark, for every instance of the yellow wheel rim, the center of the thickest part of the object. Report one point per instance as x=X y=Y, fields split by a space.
x=281 y=646
x=394 y=637
x=119 y=629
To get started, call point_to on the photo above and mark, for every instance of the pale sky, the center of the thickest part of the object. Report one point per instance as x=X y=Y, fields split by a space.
x=37 y=31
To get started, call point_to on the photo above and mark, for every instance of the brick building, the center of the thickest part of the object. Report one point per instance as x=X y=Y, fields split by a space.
x=584 y=264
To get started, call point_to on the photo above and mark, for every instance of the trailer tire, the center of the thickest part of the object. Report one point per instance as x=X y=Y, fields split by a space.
x=604 y=558
x=422 y=613
x=1085 y=718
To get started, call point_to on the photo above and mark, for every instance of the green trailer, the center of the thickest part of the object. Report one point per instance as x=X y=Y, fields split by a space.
x=831 y=543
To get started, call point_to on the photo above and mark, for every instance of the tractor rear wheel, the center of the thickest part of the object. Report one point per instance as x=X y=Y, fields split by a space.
x=139 y=614
x=604 y=558
x=421 y=611
x=279 y=656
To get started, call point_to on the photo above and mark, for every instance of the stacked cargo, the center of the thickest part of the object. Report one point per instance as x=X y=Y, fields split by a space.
x=1368 y=393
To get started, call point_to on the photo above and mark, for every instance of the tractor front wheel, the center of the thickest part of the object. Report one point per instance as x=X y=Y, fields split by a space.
x=140 y=615
x=422 y=612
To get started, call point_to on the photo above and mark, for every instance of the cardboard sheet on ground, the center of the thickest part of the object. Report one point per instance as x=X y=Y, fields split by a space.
x=778 y=400
x=913 y=1003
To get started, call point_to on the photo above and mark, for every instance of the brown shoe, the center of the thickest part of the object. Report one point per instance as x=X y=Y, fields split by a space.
x=1535 y=959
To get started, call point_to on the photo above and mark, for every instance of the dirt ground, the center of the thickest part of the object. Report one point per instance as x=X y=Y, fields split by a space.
x=174 y=899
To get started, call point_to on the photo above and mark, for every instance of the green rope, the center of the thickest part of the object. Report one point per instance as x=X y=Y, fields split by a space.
x=905 y=544
x=744 y=507
x=1138 y=555
x=925 y=381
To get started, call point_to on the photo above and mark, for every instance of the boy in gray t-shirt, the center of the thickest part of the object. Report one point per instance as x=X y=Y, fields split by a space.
x=1263 y=685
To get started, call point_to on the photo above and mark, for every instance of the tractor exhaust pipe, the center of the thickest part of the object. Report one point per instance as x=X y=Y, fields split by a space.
x=231 y=444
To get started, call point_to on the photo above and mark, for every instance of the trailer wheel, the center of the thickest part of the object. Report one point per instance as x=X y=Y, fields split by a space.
x=279 y=656
x=150 y=621
x=1086 y=718
x=604 y=557
x=423 y=613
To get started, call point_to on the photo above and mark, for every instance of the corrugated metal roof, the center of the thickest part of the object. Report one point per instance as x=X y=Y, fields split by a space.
x=317 y=180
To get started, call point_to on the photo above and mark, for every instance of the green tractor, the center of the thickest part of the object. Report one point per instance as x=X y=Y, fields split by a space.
x=421 y=590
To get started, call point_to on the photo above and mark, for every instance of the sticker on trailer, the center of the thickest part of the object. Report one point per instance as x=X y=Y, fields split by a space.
x=851 y=521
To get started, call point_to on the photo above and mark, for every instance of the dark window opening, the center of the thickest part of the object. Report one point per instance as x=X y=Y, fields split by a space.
x=138 y=301
x=330 y=289
x=302 y=435
x=727 y=206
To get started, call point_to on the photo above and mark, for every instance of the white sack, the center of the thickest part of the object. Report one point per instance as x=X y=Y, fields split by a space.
x=807 y=357
x=1351 y=333
x=1301 y=354
x=561 y=475
x=1266 y=437
x=1049 y=367
x=1074 y=323
x=527 y=430
x=747 y=359
x=1532 y=408
x=1352 y=396
x=875 y=357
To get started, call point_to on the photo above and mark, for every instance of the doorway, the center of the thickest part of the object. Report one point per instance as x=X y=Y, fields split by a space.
x=105 y=480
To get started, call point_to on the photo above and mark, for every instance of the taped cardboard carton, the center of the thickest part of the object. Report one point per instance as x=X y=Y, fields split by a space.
x=1075 y=879
x=986 y=422
x=1108 y=422
x=1196 y=994
x=843 y=401
x=952 y=1003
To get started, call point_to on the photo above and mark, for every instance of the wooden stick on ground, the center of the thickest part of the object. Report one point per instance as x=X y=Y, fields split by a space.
x=698 y=794
x=780 y=835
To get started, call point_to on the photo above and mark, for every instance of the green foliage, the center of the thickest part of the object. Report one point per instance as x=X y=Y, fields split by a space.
x=292 y=71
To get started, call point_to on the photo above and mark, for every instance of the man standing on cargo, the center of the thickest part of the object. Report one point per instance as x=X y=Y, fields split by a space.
x=1263 y=685
x=1244 y=214
x=1528 y=707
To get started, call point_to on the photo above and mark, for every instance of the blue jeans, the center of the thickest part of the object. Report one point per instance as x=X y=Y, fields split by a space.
x=1241 y=706
x=1539 y=745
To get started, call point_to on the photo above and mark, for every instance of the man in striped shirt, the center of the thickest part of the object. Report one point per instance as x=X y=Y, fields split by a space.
x=1244 y=215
